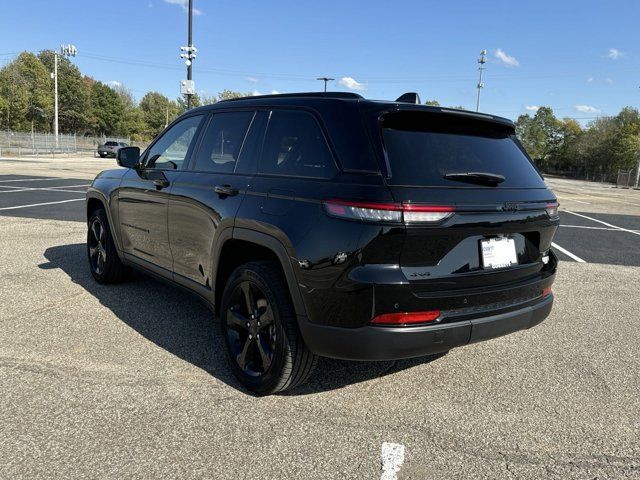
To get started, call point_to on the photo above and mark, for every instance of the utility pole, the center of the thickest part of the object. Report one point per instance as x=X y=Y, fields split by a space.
x=325 y=80
x=482 y=60
x=55 y=108
x=65 y=51
x=187 y=88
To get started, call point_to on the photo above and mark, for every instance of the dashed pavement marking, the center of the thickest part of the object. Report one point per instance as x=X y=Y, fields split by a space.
x=392 y=460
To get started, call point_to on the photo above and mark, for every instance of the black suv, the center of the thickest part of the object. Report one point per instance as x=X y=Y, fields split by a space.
x=327 y=224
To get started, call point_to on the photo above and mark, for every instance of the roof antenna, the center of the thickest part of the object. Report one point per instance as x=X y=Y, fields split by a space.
x=409 y=97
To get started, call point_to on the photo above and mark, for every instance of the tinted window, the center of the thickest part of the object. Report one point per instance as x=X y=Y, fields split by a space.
x=111 y=144
x=170 y=151
x=222 y=142
x=422 y=149
x=294 y=145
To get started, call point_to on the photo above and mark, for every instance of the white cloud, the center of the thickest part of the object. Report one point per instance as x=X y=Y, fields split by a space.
x=114 y=83
x=587 y=109
x=614 y=54
x=352 y=84
x=184 y=4
x=255 y=93
x=275 y=92
x=251 y=79
x=507 y=60
x=609 y=80
x=590 y=79
x=532 y=108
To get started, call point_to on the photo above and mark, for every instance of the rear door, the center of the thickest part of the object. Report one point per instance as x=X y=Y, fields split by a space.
x=492 y=226
x=205 y=198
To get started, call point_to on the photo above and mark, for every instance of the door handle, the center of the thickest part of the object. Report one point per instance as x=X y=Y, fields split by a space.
x=225 y=190
x=161 y=183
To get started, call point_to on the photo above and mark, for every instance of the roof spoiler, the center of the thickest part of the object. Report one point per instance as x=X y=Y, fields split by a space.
x=409 y=97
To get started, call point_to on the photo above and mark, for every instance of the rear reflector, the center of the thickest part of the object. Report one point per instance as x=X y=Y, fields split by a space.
x=552 y=209
x=546 y=292
x=387 y=212
x=406 y=318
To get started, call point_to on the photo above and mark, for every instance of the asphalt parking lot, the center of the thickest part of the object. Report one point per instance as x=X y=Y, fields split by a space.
x=128 y=380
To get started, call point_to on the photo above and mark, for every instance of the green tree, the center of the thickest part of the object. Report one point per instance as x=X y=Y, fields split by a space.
x=158 y=110
x=230 y=94
x=540 y=135
x=107 y=109
x=181 y=101
x=432 y=103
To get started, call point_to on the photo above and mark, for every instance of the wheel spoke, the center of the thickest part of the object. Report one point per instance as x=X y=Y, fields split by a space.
x=95 y=231
x=248 y=298
x=242 y=357
x=266 y=359
x=103 y=253
x=266 y=317
x=236 y=320
x=93 y=251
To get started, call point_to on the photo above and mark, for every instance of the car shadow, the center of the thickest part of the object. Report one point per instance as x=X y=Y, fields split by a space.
x=180 y=323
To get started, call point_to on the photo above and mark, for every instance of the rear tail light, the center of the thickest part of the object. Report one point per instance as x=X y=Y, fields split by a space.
x=546 y=292
x=388 y=212
x=406 y=318
x=552 y=209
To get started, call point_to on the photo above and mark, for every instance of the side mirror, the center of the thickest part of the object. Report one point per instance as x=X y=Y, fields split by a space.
x=129 y=157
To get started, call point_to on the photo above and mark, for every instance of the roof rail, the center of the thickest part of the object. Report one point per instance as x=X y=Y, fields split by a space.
x=351 y=95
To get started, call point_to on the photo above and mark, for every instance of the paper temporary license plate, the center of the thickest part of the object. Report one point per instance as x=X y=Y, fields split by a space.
x=498 y=252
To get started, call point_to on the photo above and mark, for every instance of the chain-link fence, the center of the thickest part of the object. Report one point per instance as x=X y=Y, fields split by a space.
x=24 y=143
x=627 y=179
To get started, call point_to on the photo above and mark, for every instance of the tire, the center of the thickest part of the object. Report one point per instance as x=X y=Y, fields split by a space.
x=104 y=263
x=102 y=155
x=275 y=357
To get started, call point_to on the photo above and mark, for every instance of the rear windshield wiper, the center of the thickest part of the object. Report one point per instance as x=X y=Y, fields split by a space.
x=483 y=178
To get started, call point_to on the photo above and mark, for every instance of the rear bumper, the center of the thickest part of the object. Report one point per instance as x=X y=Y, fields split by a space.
x=392 y=343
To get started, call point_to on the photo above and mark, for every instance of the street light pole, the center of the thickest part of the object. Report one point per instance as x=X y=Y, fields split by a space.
x=482 y=60
x=325 y=80
x=187 y=88
x=190 y=43
x=65 y=51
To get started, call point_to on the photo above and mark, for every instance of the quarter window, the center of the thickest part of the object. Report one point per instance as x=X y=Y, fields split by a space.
x=222 y=142
x=170 y=151
x=295 y=146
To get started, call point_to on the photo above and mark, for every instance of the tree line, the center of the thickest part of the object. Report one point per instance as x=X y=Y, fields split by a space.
x=90 y=107
x=595 y=152
x=85 y=106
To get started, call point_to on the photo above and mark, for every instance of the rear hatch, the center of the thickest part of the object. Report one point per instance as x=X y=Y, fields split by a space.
x=497 y=217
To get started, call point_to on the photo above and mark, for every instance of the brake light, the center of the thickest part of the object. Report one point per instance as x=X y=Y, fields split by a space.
x=546 y=292
x=406 y=318
x=552 y=209
x=388 y=212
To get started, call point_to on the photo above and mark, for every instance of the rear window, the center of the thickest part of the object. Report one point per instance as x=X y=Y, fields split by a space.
x=422 y=148
x=295 y=146
x=111 y=144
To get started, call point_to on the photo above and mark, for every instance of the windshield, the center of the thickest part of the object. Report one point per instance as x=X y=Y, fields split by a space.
x=429 y=150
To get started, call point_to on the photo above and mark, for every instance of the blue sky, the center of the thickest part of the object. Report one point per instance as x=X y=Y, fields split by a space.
x=579 y=57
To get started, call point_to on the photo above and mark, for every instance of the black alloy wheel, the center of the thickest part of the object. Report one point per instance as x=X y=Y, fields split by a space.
x=251 y=331
x=264 y=346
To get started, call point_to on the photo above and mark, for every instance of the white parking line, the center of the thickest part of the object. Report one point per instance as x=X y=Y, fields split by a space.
x=32 y=179
x=568 y=253
x=603 y=223
x=42 y=204
x=595 y=228
x=50 y=189
x=392 y=460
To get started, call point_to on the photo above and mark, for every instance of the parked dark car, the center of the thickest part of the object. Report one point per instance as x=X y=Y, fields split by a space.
x=110 y=149
x=330 y=225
